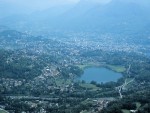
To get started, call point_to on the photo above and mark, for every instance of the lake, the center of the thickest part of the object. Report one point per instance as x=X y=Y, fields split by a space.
x=100 y=75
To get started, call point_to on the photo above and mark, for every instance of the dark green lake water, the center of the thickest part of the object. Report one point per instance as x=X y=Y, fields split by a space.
x=100 y=75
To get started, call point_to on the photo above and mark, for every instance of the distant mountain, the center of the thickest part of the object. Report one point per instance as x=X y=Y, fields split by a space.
x=35 y=20
x=115 y=16
x=9 y=9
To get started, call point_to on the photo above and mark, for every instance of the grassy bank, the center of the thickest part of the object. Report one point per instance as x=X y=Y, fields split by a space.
x=3 y=111
x=119 y=69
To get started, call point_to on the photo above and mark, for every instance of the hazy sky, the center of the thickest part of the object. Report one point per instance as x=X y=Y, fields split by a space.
x=48 y=3
x=36 y=4
x=8 y=6
x=42 y=4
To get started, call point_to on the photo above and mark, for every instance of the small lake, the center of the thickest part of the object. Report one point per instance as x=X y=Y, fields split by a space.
x=100 y=75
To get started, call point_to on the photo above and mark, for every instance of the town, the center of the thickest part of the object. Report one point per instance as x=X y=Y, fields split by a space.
x=39 y=74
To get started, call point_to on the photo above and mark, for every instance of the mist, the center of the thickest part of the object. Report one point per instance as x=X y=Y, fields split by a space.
x=34 y=5
x=10 y=7
x=74 y=56
x=75 y=14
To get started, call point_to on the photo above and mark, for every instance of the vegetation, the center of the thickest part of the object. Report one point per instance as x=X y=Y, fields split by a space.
x=3 y=111
x=119 y=69
x=34 y=80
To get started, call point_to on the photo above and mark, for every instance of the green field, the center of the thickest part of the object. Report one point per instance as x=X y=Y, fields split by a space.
x=3 y=111
x=125 y=111
x=88 y=65
x=89 y=86
x=61 y=82
x=115 y=68
x=85 y=111
x=118 y=69
x=83 y=66
x=138 y=105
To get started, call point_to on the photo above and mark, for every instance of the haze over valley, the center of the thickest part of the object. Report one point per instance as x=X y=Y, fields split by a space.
x=74 y=56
